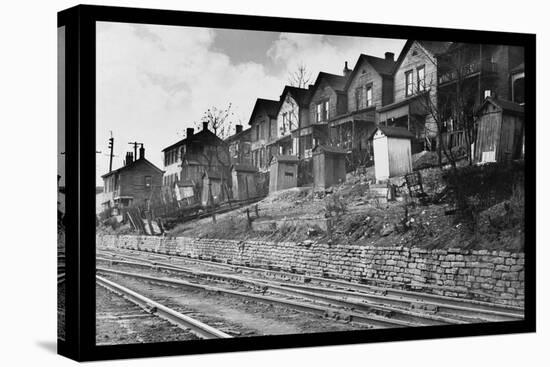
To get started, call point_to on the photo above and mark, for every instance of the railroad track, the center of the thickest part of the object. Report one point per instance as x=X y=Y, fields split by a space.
x=361 y=296
x=183 y=321
x=370 y=320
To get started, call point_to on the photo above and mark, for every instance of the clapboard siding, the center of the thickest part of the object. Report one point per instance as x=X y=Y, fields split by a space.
x=415 y=57
x=366 y=75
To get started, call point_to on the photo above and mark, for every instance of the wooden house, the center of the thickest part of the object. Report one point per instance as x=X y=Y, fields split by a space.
x=392 y=152
x=244 y=181
x=293 y=137
x=328 y=100
x=190 y=158
x=368 y=87
x=239 y=146
x=137 y=183
x=329 y=166
x=414 y=91
x=500 y=130
x=263 y=127
x=283 y=172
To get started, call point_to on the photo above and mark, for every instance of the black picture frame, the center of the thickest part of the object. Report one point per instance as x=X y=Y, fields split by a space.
x=80 y=109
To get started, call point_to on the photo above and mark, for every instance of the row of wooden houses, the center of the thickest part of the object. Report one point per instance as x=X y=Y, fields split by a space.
x=340 y=116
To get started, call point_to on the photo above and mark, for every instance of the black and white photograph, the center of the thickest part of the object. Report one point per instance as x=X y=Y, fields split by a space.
x=258 y=183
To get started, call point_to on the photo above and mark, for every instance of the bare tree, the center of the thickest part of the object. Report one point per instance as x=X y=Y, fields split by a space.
x=450 y=108
x=219 y=120
x=300 y=78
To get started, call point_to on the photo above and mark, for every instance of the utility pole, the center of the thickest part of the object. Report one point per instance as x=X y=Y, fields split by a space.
x=111 y=144
x=135 y=144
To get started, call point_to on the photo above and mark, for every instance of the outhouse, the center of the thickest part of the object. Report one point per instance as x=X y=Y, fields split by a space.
x=329 y=166
x=392 y=151
x=283 y=172
x=244 y=178
x=214 y=189
x=500 y=125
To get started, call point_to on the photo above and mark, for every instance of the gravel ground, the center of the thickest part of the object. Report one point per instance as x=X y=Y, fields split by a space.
x=118 y=321
x=233 y=315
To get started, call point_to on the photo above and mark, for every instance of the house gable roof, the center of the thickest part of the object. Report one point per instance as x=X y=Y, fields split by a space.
x=244 y=135
x=300 y=95
x=205 y=135
x=433 y=47
x=336 y=82
x=133 y=165
x=382 y=66
x=269 y=106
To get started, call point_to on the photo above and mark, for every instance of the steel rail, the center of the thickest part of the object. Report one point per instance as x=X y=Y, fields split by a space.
x=493 y=310
x=365 y=302
x=369 y=319
x=185 y=322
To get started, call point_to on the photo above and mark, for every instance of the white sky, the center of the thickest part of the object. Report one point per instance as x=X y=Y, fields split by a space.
x=155 y=81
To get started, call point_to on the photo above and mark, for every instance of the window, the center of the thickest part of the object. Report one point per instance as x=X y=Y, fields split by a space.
x=285 y=122
x=359 y=98
x=408 y=83
x=322 y=111
x=421 y=78
x=486 y=93
x=518 y=90
x=148 y=182
x=369 y=95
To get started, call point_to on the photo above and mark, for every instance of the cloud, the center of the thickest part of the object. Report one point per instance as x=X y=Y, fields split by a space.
x=155 y=81
x=326 y=53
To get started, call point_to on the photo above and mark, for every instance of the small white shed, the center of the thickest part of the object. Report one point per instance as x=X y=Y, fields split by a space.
x=392 y=152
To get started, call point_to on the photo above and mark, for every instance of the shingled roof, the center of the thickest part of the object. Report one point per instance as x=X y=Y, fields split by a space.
x=433 y=47
x=205 y=135
x=300 y=95
x=336 y=82
x=380 y=65
x=269 y=106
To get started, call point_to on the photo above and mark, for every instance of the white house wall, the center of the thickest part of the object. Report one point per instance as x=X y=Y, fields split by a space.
x=399 y=156
x=381 y=162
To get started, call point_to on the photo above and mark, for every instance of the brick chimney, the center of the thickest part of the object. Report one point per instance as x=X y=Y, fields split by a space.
x=141 y=152
x=129 y=158
x=190 y=132
x=238 y=129
x=347 y=71
x=205 y=125
x=389 y=56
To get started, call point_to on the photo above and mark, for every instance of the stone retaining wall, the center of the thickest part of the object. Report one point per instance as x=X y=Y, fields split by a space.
x=493 y=276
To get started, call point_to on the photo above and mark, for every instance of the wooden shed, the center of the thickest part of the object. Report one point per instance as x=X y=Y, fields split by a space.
x=329 y=166
x=283 y=172
x=500 y=129
x=392 y=152
x=244 y=178
x=214 y=189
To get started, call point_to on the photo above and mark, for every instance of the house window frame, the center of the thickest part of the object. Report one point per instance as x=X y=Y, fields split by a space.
x=324 y=106
x=421 y=82
x=360 y=97
x=407 y=84
x=148 y=181
x=368 y=101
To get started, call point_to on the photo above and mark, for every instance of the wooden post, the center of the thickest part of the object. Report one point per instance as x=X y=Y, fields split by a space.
x=257 y=211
